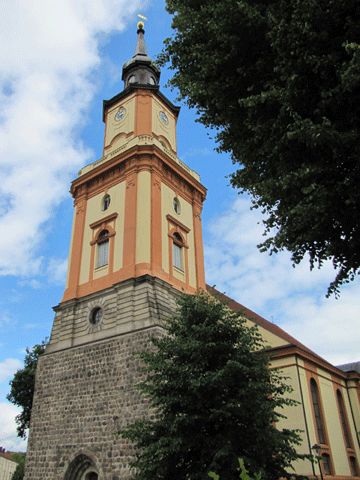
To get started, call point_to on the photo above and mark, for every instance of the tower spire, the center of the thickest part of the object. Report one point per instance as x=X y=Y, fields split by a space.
x=140 y=44
x=140 y=69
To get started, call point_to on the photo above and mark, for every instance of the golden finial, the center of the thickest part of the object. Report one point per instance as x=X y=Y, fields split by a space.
x=141 y=24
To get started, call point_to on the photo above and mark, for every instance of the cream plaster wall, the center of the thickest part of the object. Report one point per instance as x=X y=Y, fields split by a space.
x=354 y=412
x=295 y=414
x=143 y=218
x=93 y=214
x=179 y=274
x=7 y=468
x=351 y=419
x=331 y=413
x=269 y=338
x=186 y=218
x=158 y=127
x=117 y=133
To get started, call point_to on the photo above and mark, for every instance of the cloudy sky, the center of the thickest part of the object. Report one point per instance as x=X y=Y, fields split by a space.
x=58 y=61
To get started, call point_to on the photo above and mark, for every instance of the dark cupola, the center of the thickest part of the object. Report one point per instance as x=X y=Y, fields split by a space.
x=140 y=69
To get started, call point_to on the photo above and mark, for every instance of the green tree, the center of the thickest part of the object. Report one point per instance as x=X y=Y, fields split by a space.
x=20 y=469
x=280 y=81
x=22 y=387
x=215 y=400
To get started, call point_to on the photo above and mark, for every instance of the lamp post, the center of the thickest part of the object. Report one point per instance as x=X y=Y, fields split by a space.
x=317 y=450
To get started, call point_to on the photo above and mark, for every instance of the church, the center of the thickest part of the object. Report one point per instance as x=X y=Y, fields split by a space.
x=136 y=244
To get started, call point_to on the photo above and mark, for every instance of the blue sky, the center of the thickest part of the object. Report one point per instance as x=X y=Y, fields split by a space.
x=59 y=60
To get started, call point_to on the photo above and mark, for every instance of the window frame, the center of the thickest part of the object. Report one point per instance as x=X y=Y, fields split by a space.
x=344 y=420
x=319 y=420
x=326 y=471
x=354 y=467
x=178 y=246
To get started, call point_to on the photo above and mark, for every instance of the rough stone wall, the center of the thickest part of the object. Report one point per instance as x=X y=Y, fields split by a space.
x=86 y=382
x=128 y=306
x=84 y=396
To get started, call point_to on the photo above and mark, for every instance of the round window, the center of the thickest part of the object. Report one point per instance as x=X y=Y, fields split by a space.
x=176 y=205
x=96 y=315
x=105 y=203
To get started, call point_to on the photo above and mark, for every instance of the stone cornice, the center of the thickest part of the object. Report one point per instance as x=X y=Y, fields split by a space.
x=289 y=350
x=145 y=156
x=135 y=141
x=133 y=88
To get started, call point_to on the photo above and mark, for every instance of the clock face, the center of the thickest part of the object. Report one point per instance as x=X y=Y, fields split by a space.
x=164 y=118
x=120 y=114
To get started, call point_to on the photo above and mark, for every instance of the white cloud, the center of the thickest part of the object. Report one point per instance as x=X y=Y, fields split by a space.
x=8 y=367
x=294 y=298
x=8 y=437
x=30 y=282
x=56 y=270
x=48 y=51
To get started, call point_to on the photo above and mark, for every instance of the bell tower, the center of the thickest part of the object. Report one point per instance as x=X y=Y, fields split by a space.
x=137 y=209
x=136 y=244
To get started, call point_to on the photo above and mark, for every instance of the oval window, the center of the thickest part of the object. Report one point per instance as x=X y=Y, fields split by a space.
x=96 y=315
x=176 y=205
x=105 y=202
x=132 y=79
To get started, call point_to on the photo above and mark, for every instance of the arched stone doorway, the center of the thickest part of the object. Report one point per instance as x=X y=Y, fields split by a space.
x=82 y=468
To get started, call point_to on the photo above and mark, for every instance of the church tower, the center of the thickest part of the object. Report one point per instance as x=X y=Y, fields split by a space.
x=136 y=243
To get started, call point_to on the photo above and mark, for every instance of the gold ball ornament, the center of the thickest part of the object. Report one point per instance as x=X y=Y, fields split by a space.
x=140 y=25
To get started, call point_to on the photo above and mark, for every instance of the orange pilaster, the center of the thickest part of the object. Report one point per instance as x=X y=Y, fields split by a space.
x=76 y=250
x=199 y=250
x=130 y=226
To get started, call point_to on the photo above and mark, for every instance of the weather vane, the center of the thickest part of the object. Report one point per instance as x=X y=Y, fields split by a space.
x=140 y=24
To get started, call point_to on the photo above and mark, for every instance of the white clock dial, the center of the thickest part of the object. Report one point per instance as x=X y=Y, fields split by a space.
x=164 y=118
x=120 y=114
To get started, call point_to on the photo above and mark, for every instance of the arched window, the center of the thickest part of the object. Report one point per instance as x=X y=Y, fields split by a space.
x=326 y=464
x=343 y=419
x=91 y=476
x=82 y=468
x=178 y=254
x=95 y=315
x=131 y=79
x=317 y=412
x=353 y=467
x=103 y=249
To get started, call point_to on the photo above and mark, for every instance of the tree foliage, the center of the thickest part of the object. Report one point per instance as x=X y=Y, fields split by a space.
x=20 y=469
x=280 y=81
x=22 y=388
x=215 y=400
